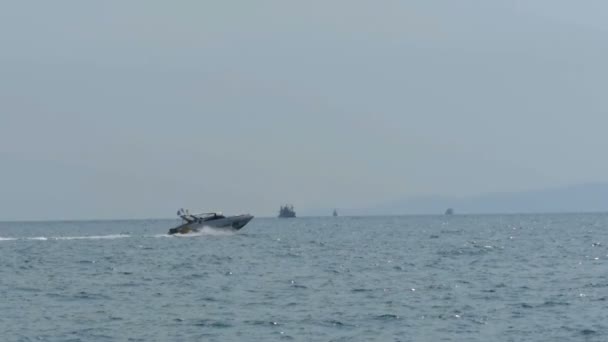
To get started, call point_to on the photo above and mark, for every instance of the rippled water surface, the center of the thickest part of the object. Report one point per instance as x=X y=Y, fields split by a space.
x=459 y=278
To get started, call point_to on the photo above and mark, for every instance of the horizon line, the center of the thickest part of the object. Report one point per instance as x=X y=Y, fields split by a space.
x=316 y=216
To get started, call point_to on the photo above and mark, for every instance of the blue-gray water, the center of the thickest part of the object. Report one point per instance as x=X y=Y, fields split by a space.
x=460 y=278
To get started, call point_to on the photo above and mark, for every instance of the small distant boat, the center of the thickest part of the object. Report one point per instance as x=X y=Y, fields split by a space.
x=449 y=211
x=192 y=223
x=287 y=211
x=335 y=213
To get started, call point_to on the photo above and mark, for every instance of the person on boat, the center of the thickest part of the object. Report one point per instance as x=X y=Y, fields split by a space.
x=185 y=215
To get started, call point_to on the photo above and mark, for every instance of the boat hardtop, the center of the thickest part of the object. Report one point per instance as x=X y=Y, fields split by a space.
x=201 y=217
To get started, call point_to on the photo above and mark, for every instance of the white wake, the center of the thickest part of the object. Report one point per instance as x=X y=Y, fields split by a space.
x=208 y=231
x=205 y=231
x=56 y=238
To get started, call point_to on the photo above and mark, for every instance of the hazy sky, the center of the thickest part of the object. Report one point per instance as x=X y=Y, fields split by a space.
x=118 y=109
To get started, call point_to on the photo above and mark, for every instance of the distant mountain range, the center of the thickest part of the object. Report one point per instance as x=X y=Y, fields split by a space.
x=591 y=197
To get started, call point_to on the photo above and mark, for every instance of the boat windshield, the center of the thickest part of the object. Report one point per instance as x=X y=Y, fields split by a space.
x=210 y=216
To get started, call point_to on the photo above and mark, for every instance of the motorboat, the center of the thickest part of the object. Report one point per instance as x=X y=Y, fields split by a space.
x=192 y=223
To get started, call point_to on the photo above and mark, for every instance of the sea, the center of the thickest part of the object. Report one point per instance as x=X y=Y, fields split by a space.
x=518 y=278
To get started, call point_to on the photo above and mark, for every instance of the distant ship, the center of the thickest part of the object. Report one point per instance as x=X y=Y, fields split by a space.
x=450 y=211
x=287 y=211
x=335 y=213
